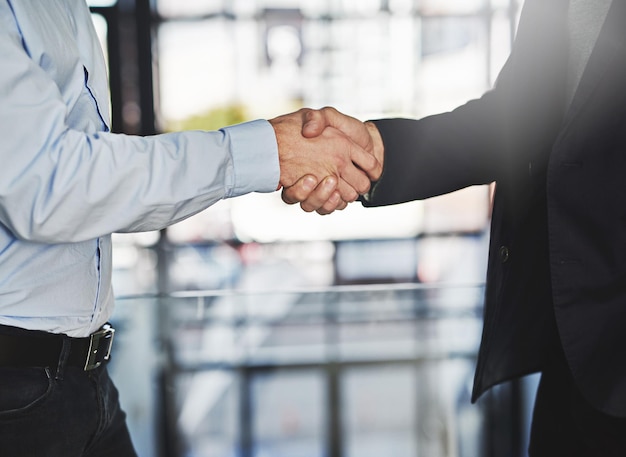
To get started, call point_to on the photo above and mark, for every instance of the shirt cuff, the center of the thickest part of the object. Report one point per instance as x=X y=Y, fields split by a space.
x=254 y=153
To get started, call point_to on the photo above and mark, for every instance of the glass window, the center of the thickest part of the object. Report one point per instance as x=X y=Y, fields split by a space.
x=177 y=8
x=410 y=410
x=275 y=57
x=451 y=7
x=207 y=409
x=285 y=422
x=385 y=343
x=197 y=69
x=379 y=413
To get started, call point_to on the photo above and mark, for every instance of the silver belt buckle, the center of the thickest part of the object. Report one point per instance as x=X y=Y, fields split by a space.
x=100 y=344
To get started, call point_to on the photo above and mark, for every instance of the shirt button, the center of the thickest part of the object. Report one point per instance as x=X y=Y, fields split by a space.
x=504 y=254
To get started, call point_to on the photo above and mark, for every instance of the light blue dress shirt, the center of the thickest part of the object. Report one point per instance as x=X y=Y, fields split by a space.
x=67 y=183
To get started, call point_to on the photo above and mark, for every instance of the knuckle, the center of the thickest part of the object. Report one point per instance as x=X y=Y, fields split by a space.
x=292 y=196
x=306 y=208
x=328 y=207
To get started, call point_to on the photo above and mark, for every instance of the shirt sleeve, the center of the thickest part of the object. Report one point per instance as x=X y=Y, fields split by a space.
x=61 y=184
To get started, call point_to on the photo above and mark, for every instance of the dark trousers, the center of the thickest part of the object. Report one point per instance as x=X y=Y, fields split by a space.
x=565 y=424
x=61 y=412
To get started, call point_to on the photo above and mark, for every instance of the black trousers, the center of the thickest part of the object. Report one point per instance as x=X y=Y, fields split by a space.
x=60 y=411
x=565 y=424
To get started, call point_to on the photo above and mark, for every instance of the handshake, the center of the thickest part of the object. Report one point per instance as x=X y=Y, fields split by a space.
x=327 y=159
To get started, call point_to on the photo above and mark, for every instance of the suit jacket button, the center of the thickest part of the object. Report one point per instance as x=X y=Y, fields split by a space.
x=504 y=254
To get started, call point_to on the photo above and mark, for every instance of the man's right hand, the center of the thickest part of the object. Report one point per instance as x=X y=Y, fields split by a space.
x=326 y=152
x=322 y=197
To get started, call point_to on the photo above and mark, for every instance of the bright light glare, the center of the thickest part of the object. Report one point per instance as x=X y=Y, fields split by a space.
x=265 y=218
x=101 y=3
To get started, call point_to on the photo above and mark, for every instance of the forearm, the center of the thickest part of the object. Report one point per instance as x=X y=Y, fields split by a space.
x=64 y=179
x=83 y=186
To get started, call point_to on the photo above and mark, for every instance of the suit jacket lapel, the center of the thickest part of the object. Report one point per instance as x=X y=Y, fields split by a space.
x=610 y=45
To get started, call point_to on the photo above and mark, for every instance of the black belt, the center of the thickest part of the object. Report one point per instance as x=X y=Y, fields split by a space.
x=38 y=349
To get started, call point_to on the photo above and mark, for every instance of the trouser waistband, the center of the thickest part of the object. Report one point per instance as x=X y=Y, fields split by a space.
x=31 y=348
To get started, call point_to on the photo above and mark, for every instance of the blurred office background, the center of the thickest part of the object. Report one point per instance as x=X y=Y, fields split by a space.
x=254 y=329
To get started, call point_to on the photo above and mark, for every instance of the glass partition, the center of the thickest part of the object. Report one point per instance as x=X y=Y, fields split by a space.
x=224 y=62
x=342 y=371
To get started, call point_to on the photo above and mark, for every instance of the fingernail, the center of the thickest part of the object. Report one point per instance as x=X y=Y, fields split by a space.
x=330 y=183
x=309 y=183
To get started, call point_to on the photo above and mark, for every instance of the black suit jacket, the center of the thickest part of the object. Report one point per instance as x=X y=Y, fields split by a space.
x=558 y=234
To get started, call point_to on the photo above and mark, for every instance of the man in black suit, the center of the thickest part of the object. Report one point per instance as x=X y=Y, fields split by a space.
x=552 y=136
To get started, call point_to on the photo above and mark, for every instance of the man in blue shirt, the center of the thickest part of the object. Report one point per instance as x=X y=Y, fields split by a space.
x=67 y=183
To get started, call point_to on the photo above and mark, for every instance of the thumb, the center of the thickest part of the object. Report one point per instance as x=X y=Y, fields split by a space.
x=314 y=123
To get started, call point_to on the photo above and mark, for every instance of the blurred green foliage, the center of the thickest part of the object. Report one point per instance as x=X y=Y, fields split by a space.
x=211 y=120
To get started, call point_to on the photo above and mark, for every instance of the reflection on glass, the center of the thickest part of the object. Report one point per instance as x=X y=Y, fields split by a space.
x=362 y=7
x=454 y=66
x=286 y=423
x=207 y=405
x=398 y=387
x=379 y=412
x=174 y=8
x=452 y=6
x=401 y=6
x=196 y=67
x=101 y=3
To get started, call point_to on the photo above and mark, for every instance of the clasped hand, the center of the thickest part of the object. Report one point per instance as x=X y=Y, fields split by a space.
x=327 y=159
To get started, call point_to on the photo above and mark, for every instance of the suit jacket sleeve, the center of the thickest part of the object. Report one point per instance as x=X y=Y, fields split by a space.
x=487 y=139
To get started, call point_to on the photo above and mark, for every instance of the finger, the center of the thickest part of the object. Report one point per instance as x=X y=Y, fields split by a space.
x=341 y=150
x=368 y=152
x=367 y=162
x=335 y=203
x=356 y=179
x=300 y=191
x=354 y=176
x=346 y=191
x=321 y=195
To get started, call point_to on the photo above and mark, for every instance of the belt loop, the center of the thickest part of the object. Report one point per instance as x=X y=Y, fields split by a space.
x=65 y=352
